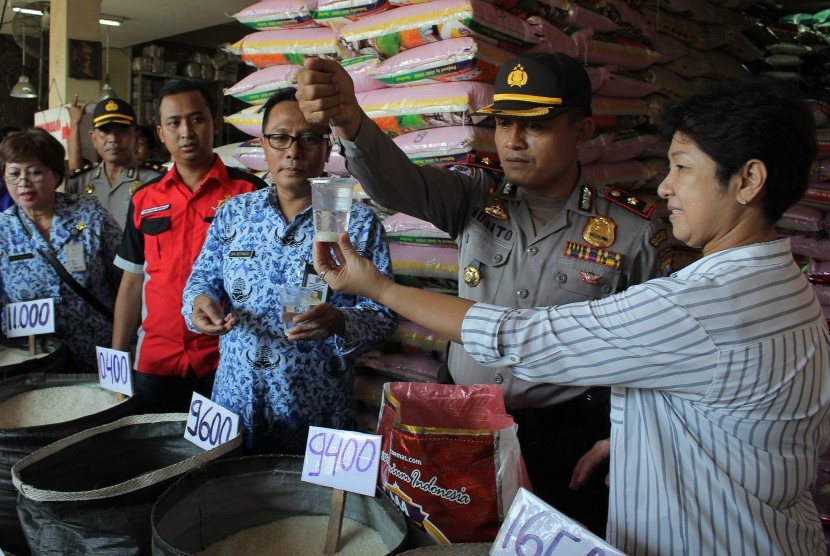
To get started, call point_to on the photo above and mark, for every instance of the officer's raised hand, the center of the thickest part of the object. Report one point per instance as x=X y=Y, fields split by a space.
x=326 y=96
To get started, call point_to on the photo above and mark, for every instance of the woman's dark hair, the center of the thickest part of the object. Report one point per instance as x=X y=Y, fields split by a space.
x=176 y=86
x=37 y=144
x=282 y=95
x=758 y=118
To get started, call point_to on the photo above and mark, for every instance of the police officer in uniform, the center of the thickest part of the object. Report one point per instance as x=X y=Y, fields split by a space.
x=119 y=174
x=537 y=235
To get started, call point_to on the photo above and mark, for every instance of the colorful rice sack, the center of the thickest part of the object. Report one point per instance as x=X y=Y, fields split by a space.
x=595 y=146
x=627 y=145
x=394 y=31
x=616 y=83
x=424 y=260
x=605 y=51
x=287 y=46
x=402 y=228
x=630 y=174
x=802 y=218
x=461 y=59
x=250 y=154
x=248 y=120
x=442 y=146
x=401 y=110
x=337 y=13
x=360 y=69
x=257 y=87
x=270 y=14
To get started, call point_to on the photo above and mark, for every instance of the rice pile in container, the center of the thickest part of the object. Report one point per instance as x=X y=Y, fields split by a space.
x=299 y=536
x=12 y=356
x=47 y=406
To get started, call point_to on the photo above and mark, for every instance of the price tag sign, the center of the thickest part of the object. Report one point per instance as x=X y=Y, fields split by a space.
x=342 y=459
x=114 y=370
x=30 y=317
x=209 y=424
x=533 y=528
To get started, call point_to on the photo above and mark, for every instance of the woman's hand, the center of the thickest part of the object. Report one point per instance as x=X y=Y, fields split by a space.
x=588 y=463
x=320 y=322
x=353 y=274
x=208 y=319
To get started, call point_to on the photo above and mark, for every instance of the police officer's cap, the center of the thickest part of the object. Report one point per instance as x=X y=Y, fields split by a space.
x=113 y=111
x=540 y=86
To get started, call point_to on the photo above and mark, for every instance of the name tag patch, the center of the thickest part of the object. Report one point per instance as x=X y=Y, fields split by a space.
x=21 y=257
x=242 y=254
x=154 y=209
x=593 y=254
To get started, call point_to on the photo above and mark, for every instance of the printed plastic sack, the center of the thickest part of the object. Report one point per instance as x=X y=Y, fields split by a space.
x=442 y=146
x=402 y=228
x=250 y=154
x=401 y=110
x=450 y=458
x=360 y=69
x=461 y=59
x=424 y=260
x=261 y=84
x=270 y=14
x=248 y=120
x=337 y=13
x=394 y=31
x=287 y=46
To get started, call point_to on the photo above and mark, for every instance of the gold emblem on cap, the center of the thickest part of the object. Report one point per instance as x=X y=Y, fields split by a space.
x=89 y=189
x=517 y=77
x=135 y=185
x=600 y=231
x=111 y=106
x=472 y=276
x=80 y=226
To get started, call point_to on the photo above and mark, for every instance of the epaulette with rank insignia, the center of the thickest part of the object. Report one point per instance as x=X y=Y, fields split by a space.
x=629 y=201
x=487 y=162
x=78 y=171
x=153 y=166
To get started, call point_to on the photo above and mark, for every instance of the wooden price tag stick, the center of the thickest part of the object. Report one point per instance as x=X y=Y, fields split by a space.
x=32 y=345
x=338 y=504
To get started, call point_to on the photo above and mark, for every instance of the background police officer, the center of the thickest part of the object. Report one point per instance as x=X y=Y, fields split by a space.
x=538 y=235
x=119 y=174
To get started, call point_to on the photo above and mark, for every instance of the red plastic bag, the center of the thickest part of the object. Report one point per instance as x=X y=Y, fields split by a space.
x=450 y=458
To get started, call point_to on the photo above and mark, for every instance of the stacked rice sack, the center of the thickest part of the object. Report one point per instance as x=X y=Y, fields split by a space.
x=796 y=48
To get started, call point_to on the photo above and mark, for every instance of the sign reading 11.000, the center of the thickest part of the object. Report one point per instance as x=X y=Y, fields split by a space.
x=30 y=317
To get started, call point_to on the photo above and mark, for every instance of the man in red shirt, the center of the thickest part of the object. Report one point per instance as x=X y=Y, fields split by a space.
x=166 y=225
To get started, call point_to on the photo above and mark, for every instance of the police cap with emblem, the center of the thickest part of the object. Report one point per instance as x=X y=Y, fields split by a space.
x=113 y=111
x=540 y=86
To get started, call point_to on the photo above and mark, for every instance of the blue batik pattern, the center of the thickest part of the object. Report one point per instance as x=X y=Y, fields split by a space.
x=26 y=275
x=278 y=388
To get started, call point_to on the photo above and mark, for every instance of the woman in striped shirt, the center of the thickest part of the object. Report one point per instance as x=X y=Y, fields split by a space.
x=720 y=373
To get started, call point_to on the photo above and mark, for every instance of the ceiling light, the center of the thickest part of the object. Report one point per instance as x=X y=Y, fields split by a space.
x=102 y=21
x=23 y=88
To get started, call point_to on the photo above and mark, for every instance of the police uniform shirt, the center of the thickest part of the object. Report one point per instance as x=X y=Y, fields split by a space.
x=92 y=180
x=505 y=261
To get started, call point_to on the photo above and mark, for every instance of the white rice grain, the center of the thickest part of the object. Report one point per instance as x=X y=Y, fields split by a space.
x=303 y=535
x=12 y=356
x=57 y=404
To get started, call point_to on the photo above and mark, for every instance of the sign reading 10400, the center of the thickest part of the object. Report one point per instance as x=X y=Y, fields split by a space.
x=30 y=317
x=114 y=370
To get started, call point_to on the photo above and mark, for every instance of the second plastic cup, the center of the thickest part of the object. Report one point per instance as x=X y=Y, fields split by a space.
x=331 y=203
x=295 y=300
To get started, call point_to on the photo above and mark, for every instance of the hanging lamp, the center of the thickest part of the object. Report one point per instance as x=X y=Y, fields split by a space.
x=106 y=88
x=23 y=88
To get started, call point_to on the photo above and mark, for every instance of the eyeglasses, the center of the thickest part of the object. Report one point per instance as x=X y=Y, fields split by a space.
x=307 y=141
x=33 y=176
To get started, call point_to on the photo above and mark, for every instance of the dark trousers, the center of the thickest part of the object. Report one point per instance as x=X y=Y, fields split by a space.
x=552 y=441
x=170 y=394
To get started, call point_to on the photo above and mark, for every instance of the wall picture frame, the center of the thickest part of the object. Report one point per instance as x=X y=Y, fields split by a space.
x=84 y=59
